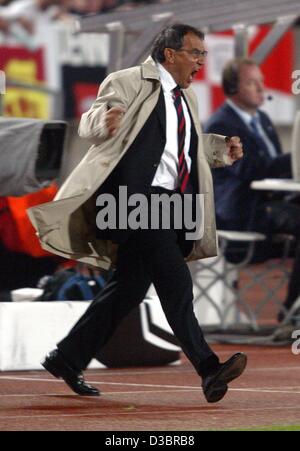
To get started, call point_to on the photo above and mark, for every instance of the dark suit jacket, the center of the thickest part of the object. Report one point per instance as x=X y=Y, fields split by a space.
x=236 y=202
x=137 y=168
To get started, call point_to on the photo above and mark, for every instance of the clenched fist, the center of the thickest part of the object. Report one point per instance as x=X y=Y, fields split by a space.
x=113 y=119
x=235 y=148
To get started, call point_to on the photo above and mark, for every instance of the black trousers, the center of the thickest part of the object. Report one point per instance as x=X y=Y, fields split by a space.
x=149 y=256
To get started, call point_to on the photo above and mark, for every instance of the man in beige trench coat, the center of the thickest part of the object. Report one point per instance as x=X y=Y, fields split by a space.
x=146 y=136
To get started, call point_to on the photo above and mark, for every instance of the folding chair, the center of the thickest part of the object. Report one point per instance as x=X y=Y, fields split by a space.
x=229 y=303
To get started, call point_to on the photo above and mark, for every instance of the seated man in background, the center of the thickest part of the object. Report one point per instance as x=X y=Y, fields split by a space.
x=238 y=207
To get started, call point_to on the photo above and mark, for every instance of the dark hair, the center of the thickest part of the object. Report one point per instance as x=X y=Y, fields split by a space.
x=231 y=74
x=172 y=37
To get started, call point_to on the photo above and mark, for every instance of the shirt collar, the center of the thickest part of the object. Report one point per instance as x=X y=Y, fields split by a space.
x=167 y=81
x=246 y=117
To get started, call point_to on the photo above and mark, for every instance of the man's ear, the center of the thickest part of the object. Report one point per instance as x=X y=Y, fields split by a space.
x=169 y=55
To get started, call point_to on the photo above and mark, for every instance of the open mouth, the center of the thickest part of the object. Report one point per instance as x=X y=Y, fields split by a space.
x=193 y=75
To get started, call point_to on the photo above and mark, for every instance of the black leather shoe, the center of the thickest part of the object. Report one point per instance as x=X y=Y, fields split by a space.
x=215 y=385
x=55 y=364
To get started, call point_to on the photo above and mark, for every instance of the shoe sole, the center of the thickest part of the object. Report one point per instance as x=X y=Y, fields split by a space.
x=236 y=370
x=218 y=390
x=215 y=393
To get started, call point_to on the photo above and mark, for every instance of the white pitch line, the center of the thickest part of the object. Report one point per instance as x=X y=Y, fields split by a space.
x=192 y=372
x=36 y=377
x=16 y=378
x=179 y=370
x=265 y=390
x=198 y=389
x=62 y=395
x=159 y=386
x=287 y=368
x=143 y=392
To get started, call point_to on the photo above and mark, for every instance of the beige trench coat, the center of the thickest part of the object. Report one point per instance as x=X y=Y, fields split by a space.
x=66 y=225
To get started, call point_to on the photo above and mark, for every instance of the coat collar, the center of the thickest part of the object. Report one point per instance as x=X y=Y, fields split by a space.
x=149 y=69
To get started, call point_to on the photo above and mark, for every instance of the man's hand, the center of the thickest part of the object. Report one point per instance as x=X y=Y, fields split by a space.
x=235 y=148
x=113 y=119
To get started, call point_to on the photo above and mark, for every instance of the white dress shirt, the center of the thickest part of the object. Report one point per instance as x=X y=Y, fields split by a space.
x=167 y=172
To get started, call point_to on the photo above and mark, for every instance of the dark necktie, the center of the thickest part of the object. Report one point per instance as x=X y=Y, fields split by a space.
x=183 y=173
x=262 y=142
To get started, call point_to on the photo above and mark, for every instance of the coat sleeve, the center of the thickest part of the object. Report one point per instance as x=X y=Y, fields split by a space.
x=215 y=150
x=112 y=92
x=214 y=146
